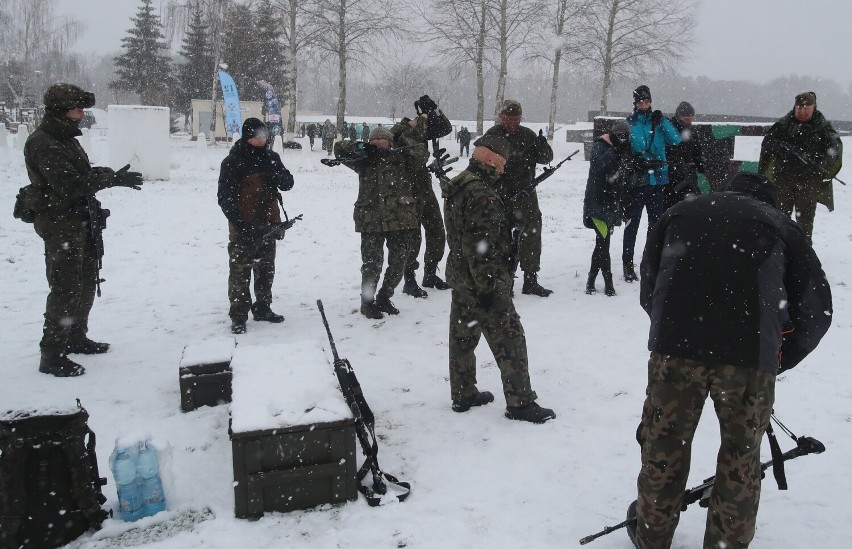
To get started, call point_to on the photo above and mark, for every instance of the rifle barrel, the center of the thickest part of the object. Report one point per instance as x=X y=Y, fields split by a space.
x=327 y=330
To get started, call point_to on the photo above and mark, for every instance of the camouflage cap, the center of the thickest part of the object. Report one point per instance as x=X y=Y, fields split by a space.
x=805 y=98
x=511 y=107
x=495 y=143
x=61 y=98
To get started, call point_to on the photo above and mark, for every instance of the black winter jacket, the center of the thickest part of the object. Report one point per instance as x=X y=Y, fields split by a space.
x=723 y=275
x=605 y=185
x=684 y=159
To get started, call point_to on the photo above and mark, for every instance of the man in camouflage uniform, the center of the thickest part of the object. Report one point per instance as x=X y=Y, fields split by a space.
x=479 y=234
x=527 y=151
x=328 y=134
x=432 y=123
x=250 y=179
x=63 y=186
x=720 y=335
x=801 y=153
x=385 y=213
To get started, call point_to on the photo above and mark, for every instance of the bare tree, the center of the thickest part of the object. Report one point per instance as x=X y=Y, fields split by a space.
x=346 y=30
x=630 y=37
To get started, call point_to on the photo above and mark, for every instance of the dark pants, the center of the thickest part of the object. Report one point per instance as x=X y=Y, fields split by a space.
x=399 y=244
x=600 y=255
x=677 y=389
x=433 y=227
x=464 y=149
x=642 y=197
x=800 y=195
x=245 y=258
x=528 y=215
x=72 y=270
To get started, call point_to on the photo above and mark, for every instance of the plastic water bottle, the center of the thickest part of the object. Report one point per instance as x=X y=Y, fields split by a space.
x=153 y=499
x=129 y=492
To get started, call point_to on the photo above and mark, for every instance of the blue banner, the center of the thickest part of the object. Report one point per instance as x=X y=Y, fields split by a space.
x=273 y=107
x=233 y=118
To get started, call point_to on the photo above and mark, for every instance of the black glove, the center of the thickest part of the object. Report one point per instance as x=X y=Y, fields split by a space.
x=283 y=180
x=541 y=140
x=124 y=178
x=426 y=104
x=656 y=116
x=368 y=148
x=486 y=300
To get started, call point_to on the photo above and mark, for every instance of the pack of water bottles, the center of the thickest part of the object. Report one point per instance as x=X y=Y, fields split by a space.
x=142 y=472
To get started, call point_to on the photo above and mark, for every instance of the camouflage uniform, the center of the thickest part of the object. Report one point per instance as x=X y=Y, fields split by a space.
x=479 y=235
x=328 y=134
x=519 y=172
x=385 y=212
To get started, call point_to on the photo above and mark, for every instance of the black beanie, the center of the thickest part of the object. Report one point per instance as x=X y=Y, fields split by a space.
x=684 y=109
x=252 y=127
x=758 y=186
x=641 y=93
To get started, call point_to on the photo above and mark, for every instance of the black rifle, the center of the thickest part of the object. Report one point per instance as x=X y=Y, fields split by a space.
x=701 y=493
x=547 y=172
x=278 y=229
x=364 y=427
x=441 y=159
x=804 y=158
x=97 y=224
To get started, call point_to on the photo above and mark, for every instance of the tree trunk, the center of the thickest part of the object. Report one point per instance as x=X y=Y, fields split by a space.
x=291 y=85
x=341 y=84
x=607 y=61
x=504 y=59
x=480 y=69
x=551 y=122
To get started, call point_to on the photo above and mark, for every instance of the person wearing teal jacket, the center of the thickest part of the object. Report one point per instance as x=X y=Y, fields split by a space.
x=650 y=132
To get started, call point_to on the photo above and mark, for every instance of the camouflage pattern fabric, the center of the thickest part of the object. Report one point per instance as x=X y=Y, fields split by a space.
x=247 y=257
x=802 y=196
x=399 y=245
x=528 y=215
x=677 y=389
x=501 y=325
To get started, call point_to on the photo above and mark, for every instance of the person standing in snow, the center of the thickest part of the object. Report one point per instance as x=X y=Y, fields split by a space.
x=328 y=135
x=66 y=214
x=463 y=137
x=685 y=159
x=650 y=132
x=479 y=231
x=735 y=296
x=250 y=179
x=802 y=153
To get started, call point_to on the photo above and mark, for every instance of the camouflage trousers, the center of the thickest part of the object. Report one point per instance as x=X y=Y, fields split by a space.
x=743 y=399
x=528 y=215
x=436 y=238
x=72 y=270
x=399 y=244
x=244 y=259
x=801 y=195
x=504 y=333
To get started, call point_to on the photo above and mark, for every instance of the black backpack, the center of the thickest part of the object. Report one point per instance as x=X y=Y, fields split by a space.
x=50 y=489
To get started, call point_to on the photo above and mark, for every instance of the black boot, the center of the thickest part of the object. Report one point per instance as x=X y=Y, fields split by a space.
x=631 y=524
x=369 y=309
x=238 y=327
x=609 y=289
x=60 y=366
x=480 y=398
x=532 y=412
x=532 y=287
x=86 y=346
x=263 y=313
x=410 y=287
x=432 y=280
x=590 y=282
x=384 y=304
x=629 y=272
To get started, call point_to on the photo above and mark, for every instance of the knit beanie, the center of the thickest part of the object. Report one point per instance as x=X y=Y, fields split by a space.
x=495 y=143
x=759 y=186
x=381 y=133
x=641 y=93
x=253 y=127
x=684 y=109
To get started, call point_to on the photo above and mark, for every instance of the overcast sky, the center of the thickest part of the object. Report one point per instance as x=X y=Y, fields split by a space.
x=754 y=40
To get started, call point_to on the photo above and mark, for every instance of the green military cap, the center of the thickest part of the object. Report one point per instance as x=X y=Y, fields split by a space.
x=511 y=107
x=806 y=98
x=497 y=144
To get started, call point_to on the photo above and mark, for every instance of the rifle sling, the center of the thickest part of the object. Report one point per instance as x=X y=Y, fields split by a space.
x=777 y=458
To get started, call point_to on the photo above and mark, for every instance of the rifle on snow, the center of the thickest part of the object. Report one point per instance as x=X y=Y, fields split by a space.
x=804 y=158
x=365 y=423
x=702 y=492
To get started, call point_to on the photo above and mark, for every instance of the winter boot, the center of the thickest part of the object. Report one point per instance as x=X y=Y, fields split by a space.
x=479 y=398
x=431 y=280
x=369 y=309
x=60 y=366
x=629 y=272
x=532 y=287
x=238 y=326
x=532 y=412
x=263 y=313
x=410 y=287
x=86 y=346
x=590 y=282
x=631 y=525
x=384 y=304
x=609 y=289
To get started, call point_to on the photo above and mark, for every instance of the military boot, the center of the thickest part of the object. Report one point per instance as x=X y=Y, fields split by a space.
x=238 y=327
x=86 y=346
x=384 y=304
x=609 y=289
x=479 y=398
x=629 y=272
x=432 y=280
x=532 y=287
x=590 y=282
x=263 y=313
x=410 y=287
x=60 y=366
x=532 y=412
x=369 y=309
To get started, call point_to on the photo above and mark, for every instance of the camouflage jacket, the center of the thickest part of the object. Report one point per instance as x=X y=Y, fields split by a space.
x=478 y=233
x=525 y=153
x=385 y=197
x=417 y=155
x=59 y=170
x=815 y=141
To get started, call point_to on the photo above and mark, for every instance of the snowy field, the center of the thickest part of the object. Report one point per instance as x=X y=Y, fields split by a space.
x=479 y=480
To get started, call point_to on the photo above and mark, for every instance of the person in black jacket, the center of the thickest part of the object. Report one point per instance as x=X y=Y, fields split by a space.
x=602 y=207
x=249 y=181
x=685 y=159
x=735 y=295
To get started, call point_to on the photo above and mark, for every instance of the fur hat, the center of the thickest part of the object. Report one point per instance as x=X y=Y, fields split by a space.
x=253 y=127
x=641 y=93
x=511 y=107
x=684 y=109
x=758 y=186
x=805 y=98
x=381 y=133
x=61 y=98
x=495 y=143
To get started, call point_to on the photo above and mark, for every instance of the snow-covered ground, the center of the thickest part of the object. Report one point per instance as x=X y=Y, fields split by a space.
x=479 y=480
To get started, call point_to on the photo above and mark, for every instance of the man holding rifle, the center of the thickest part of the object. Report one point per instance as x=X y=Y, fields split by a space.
x=802 y=153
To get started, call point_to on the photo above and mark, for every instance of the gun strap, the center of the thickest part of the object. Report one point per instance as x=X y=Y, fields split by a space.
x=777 y=458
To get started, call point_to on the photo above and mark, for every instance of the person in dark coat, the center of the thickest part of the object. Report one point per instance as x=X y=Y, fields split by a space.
x=249 y=183
x=463 y=137
x=685 y=159
x=312 y=133
x=735 y=296
x=66 y=215
x=602 y=207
